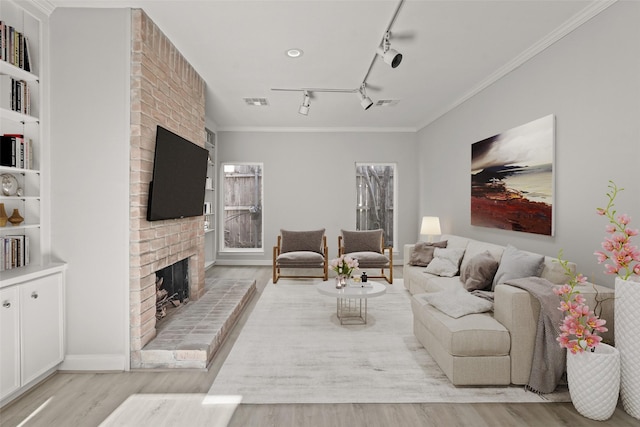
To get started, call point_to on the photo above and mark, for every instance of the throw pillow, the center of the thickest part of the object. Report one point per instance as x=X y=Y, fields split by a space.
x=479 y=272
x=422 y=252
x=457 y=304
x=446 y=262
x=516 y=264
x=295 y=241
x=362 y=241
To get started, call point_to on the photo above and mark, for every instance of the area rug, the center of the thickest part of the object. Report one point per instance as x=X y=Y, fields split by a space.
x=294 y=350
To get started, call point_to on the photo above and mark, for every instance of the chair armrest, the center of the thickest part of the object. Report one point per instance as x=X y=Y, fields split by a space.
x=276 y=248
x=389 y=249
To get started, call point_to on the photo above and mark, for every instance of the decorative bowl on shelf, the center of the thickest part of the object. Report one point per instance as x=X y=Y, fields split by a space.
x=9 y=184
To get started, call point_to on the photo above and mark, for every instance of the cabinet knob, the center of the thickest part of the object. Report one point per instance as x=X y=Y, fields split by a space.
x=34 y=295
x=6 y=304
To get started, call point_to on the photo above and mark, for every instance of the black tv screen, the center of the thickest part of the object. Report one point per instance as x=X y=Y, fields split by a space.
x=179 y=175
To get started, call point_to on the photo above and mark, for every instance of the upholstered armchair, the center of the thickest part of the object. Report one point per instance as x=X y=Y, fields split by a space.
x=368 y=248
x=301 y=250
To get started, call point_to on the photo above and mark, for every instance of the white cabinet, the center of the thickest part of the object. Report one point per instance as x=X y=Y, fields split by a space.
x=31 y=332
x=41 y=326
x=9 y=341
x=210 y=203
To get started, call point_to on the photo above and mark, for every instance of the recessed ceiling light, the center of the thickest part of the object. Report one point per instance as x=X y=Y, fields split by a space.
x=294 y=53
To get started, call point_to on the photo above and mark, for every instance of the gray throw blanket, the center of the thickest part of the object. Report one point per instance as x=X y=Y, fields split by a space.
x=549 y=359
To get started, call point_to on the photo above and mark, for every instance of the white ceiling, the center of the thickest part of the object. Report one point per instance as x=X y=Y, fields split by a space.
x=451 y=50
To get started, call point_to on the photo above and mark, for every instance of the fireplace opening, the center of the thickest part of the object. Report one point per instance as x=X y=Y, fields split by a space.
x=172 y=287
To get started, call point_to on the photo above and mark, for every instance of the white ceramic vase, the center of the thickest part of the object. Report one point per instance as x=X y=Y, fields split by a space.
x=594 y=381
x=627 y=307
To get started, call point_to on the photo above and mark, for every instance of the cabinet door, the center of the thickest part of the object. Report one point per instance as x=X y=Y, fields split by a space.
x=9 y=341
x=42 y=325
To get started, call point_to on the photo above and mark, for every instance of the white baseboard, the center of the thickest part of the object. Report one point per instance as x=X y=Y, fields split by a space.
x=243 y=262
x=93 y=362
x=252 y=262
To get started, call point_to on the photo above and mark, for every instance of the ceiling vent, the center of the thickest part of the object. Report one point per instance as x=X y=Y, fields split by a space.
x=387 y=102
x=256 y=102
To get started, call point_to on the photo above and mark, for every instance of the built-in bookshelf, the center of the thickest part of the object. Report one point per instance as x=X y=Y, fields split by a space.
x=210 y=202
x=31 y=287
x=20 y=141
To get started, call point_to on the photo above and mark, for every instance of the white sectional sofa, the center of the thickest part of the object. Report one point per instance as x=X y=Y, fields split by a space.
x=493 y=347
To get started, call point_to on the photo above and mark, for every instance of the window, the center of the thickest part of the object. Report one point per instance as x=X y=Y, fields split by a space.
x=242 y=204
x=375 y=198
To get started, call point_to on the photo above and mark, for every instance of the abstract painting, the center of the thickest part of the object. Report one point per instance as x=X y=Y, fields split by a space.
x=512 y=179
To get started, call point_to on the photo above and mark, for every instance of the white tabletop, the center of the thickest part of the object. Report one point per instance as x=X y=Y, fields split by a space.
x=354 y=291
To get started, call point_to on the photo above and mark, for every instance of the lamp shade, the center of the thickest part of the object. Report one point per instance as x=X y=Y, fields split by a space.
x=430 y=226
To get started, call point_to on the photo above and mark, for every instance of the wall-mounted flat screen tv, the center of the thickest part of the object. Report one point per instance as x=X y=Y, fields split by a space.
x=179 y=175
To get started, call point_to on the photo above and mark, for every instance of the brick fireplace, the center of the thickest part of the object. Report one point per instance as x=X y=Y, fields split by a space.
x=166 y=91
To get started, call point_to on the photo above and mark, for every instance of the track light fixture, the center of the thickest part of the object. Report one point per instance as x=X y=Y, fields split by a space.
x=384 y=51
x=366 y=102
x=306 y=102
x=388 y=55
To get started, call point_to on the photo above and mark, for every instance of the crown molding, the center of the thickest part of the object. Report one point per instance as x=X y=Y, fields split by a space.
x=317 y=129
x=592 y=10
x=42 y=6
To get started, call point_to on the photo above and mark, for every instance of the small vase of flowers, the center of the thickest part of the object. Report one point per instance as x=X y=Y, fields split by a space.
x=580 y=327
x=593 y=368
x=344 y=266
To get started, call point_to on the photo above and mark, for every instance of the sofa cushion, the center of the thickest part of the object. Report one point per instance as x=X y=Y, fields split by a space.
x=472 y=335
x=294 y=241
x=554 y=272
x=446 y=262
x=476 y=247
x=362 y=241
x=370 y=259
x=516 y=264
x=454 y=241
x=457 y=304
x=422 y=252
x=479 y=272
x=302 y=259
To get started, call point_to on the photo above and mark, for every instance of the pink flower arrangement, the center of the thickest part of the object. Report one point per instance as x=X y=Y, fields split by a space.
x=580 y=327
x=344 y=265
x=624 y=258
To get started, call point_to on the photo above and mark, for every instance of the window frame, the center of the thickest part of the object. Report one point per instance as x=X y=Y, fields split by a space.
x=222 y=216
x=394 y=208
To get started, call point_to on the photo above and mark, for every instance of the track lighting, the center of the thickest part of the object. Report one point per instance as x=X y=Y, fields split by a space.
x=384 y=51
x=388 y=55
x=366 y=102
x=304 y=108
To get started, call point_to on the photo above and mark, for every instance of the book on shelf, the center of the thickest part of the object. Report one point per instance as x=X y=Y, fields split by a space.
x=14 y=47
x=16 y=94
x=16 y=151
x=14 y=251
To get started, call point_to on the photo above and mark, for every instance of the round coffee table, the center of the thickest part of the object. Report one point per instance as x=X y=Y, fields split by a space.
x=349 y=307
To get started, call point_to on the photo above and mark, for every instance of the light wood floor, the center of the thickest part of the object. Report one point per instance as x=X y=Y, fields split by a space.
x=87 y=399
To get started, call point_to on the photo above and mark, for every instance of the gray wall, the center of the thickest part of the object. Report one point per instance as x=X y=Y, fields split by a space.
x=590 y=81
x=309 y=181
x=90 y=56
